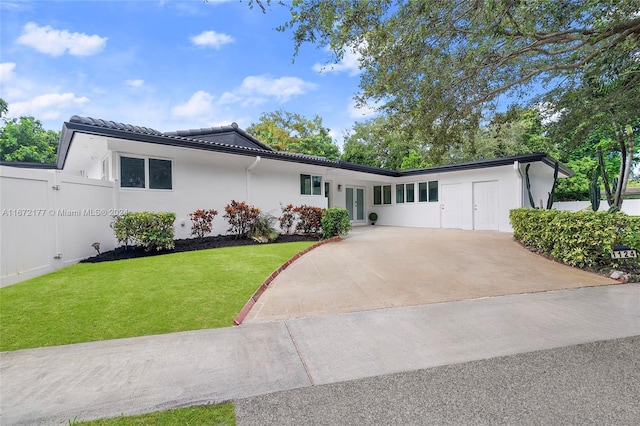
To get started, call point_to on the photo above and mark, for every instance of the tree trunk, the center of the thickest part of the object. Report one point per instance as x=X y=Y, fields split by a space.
x=629 y=159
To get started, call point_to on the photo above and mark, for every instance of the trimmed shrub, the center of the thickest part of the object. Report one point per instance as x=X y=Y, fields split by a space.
x=202 y=222
x=309 y=219
x=582 y=239
x=287 y=218
x=335 y=222
x=241 y=217
x=124 y=228
x=151 y=230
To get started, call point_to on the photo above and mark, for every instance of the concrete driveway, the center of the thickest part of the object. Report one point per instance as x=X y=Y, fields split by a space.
x=381 y=267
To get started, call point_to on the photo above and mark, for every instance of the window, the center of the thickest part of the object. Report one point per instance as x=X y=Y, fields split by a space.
x=132 y=172
x=386 y=194
x=310 y=185
x=433 y=190
x=381 y=194
x=405 y=193
x=159 y=174
x=377 y=195
x=410 y=195
x=400 y=193
x=148 y=173
x=428 y=191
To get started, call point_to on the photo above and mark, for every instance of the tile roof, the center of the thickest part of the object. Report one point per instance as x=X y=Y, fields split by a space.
x=242 y=143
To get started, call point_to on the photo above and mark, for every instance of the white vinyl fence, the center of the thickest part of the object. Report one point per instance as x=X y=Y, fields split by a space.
x=630 y=207
x=49 y=220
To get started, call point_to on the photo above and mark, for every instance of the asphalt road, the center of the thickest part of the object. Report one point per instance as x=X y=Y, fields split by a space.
x=592 y=383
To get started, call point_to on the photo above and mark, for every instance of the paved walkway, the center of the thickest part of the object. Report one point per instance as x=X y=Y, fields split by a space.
x=378 y=267
x=128 y=376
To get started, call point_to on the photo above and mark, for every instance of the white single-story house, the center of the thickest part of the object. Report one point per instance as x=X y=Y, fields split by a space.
x=51 y=214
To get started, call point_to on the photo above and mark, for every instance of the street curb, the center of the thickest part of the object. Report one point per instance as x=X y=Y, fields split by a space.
x=253 y=299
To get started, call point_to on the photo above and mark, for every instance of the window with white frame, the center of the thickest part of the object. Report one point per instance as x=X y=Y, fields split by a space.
x=410 y=193
x=310 y=185
x=149 y=173
x=399 y=193
x=405 y=193
x=381 y=194
x=428 y=191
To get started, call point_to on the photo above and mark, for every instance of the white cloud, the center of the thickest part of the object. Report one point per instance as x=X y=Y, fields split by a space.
x=211 y=39
x=256 y=89
x=350 y=63
x=56 y=42
x=548 y=113
x=203 y=107
x=6 y=71
x=48 y=106
x=200 y=106
x=134 y=83
x=363 y=111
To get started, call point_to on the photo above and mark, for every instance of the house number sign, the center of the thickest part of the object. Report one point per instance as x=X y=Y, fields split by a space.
x=624 y=252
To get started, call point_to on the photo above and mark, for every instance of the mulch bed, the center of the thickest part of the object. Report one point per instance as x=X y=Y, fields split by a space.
x=190 y=244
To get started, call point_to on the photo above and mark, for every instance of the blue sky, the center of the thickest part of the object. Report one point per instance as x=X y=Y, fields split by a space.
x=168 y=65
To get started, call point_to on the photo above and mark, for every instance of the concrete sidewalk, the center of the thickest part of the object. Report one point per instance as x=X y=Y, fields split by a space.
x=128 y=376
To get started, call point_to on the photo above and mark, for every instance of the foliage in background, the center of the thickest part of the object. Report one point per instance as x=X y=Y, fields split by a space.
x=582 y=239
x=150 y=230
x=438 y=61
x=241 y=217
x=335 y=222
x=25 y=140
x=202 y=222
x=286 y=131
x=376 y=143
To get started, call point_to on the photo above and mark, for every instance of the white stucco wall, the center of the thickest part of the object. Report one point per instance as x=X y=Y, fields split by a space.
x=208 y=180
x=429 y=214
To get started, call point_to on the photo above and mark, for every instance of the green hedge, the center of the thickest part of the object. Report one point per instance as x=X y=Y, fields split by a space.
x=153 y=231
x=583 y=239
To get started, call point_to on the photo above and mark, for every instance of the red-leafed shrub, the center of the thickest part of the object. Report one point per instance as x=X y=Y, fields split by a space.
x=288 y=218
x=202 y=222
x=241 y=217
x=309 y=219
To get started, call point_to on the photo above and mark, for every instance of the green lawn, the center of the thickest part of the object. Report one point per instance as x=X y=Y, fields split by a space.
x=214 y=415
x=136 y=297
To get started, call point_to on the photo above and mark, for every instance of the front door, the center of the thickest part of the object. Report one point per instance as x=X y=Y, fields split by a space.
x=355 y=203
x=451 y=206
x=485 y=206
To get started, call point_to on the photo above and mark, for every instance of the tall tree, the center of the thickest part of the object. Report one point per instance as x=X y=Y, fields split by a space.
x=25 y=140
x=375 y=143
x=516 y=131
x=606 y=104
x=286 y=131
x=440 y=60
x=4 y=107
